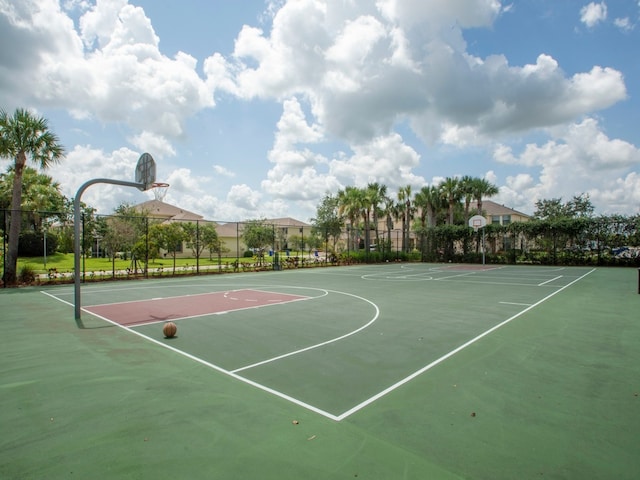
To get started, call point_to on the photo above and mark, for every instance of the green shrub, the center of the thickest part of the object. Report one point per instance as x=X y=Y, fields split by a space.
x=31 y=244
x=27 y=274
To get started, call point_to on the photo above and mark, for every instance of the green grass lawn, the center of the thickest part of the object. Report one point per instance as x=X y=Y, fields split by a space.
x=63 y=262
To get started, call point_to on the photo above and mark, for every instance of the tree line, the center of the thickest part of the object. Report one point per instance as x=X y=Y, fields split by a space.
x=436 y=219
x=433 y=220
x=362 y=210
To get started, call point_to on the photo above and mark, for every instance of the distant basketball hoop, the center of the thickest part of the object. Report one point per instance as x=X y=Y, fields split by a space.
x=159 y=190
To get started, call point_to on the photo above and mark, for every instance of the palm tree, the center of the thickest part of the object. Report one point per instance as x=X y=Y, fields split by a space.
x=483 y=188
x=404 y=198
x=428 y=200
x=423 y=203
x=466 y=190
x=40 y=193
x=24 y=135
x=350 y=205
x=451 y=193
x=390 y=210
x=376 y=194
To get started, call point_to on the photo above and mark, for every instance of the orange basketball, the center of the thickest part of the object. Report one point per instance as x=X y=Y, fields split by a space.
x=169 y=330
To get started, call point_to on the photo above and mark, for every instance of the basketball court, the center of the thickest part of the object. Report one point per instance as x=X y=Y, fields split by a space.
x=374 y=371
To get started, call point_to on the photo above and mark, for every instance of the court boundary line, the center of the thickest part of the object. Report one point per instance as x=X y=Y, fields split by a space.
x=327 y=342
x=225 y=371
x=232 y=373
x=550 y=280
x=436 y=362
x=361 y=405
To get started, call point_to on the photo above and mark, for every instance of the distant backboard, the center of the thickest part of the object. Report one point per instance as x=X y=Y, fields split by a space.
x=477 y=221
x=146 y=171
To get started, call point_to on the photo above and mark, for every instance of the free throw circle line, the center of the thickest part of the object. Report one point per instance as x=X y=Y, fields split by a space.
x=311 y=347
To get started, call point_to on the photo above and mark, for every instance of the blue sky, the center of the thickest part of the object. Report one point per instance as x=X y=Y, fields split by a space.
x=259 y=108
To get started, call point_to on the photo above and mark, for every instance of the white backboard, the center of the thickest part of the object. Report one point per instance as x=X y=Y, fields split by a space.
x=146 y=171
x=477 y=221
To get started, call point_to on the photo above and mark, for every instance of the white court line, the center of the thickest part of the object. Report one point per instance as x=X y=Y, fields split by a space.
x=486 y=282
x=514 y=303
x=549 y=281
x=396 y=385
x=466 y=274
x=210 y=365
x=361 y=405
x=56 y=298
x=269 y=360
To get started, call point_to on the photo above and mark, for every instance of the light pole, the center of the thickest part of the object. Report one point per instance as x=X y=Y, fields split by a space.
x=44 y=227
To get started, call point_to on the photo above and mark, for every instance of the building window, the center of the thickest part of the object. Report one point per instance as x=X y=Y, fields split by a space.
x=495 y=219
x=506 y=219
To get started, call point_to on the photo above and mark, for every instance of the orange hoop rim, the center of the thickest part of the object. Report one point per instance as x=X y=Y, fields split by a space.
x=159 y=185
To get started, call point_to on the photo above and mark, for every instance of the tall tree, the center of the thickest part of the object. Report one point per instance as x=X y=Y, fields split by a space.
x=200 y=236
x=376 y=194
x=404 y=198
x=580 y=206
x=258 y=235
x=327 y=222
x=350 y=203
x=390 y=210
x=483 y=188
x=168 y=236
x=427 y=200
x=466 y=192
x=451 y=193
x=40 y=195
x=24 y=136
x=554 y=208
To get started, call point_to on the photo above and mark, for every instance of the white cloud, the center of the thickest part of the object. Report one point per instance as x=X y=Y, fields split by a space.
x=224 y=172
x=624 y=24
x=468 y=14
x=349 y=67
x=386 y=159
x=294 y=175
x=293 y=128
x=243 y=196
x=619 y=194
x=355 y=43
x=150 y=142
x=580 y=158
x=84 y=163
x=111 y=69
x=593 y=13
x=350 y=75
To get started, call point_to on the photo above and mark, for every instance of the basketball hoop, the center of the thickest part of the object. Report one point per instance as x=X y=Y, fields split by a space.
x=159 y=190
x=477 y=222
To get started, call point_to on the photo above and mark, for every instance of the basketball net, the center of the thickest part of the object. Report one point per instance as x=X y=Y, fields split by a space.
x=159 y=190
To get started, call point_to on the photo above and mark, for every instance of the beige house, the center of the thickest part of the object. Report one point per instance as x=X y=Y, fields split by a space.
x=230 y=233
x=497 y=214
x=289 y=233
x=160 y=210
x=166 y=213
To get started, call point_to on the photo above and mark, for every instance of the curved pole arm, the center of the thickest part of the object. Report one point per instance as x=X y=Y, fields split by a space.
x=76 y=228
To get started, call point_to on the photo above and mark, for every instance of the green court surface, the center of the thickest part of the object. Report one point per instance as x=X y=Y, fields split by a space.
x=394 y=371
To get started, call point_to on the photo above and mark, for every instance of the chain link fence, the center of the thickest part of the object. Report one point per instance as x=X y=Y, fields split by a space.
x=140 y=246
